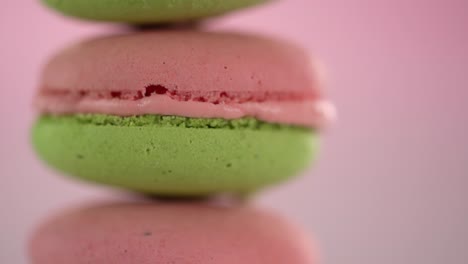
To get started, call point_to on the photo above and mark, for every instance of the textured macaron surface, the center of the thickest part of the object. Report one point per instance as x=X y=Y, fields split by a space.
x=147 y=11
x=179 y=233
x=174 y=155
x=186 y=73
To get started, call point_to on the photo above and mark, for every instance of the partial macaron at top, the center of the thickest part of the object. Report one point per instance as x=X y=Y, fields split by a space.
x=147 y=11
x=186 y=73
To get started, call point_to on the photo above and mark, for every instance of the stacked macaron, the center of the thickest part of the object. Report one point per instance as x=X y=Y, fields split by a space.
x=175 y=113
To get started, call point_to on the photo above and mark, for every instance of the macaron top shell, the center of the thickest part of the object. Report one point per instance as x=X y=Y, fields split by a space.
x=147 y=11
x=224 y=75
x=184 y=61
x=170 y=233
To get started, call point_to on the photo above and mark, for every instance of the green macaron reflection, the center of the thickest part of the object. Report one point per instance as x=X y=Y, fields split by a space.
x=147 y=11
x=174 y=156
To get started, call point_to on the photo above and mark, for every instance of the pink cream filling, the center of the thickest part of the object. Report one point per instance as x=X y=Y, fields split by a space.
x=276 y=108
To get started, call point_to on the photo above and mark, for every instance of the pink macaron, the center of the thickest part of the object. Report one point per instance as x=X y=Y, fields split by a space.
x=187 y=73
x=181 y=113
x=179 y=233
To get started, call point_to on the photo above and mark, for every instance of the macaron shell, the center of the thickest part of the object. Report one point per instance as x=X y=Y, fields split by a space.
x=173 y=158
x=186 y=73
x=146 y=11
x=189 y=61
x=170 y=233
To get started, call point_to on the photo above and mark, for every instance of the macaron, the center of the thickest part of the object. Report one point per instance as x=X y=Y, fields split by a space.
x=147 y=11
x=147 y=233
x=181 y=113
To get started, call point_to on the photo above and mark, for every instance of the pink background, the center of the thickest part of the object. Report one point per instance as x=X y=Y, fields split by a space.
x=392 y=182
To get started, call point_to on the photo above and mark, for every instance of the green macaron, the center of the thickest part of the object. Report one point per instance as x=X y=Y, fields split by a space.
x=174 y=156
x=180 y=113
x=147 y=11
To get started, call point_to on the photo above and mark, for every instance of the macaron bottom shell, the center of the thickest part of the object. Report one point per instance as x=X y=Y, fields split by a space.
x=174 y=156
x=147 y=11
